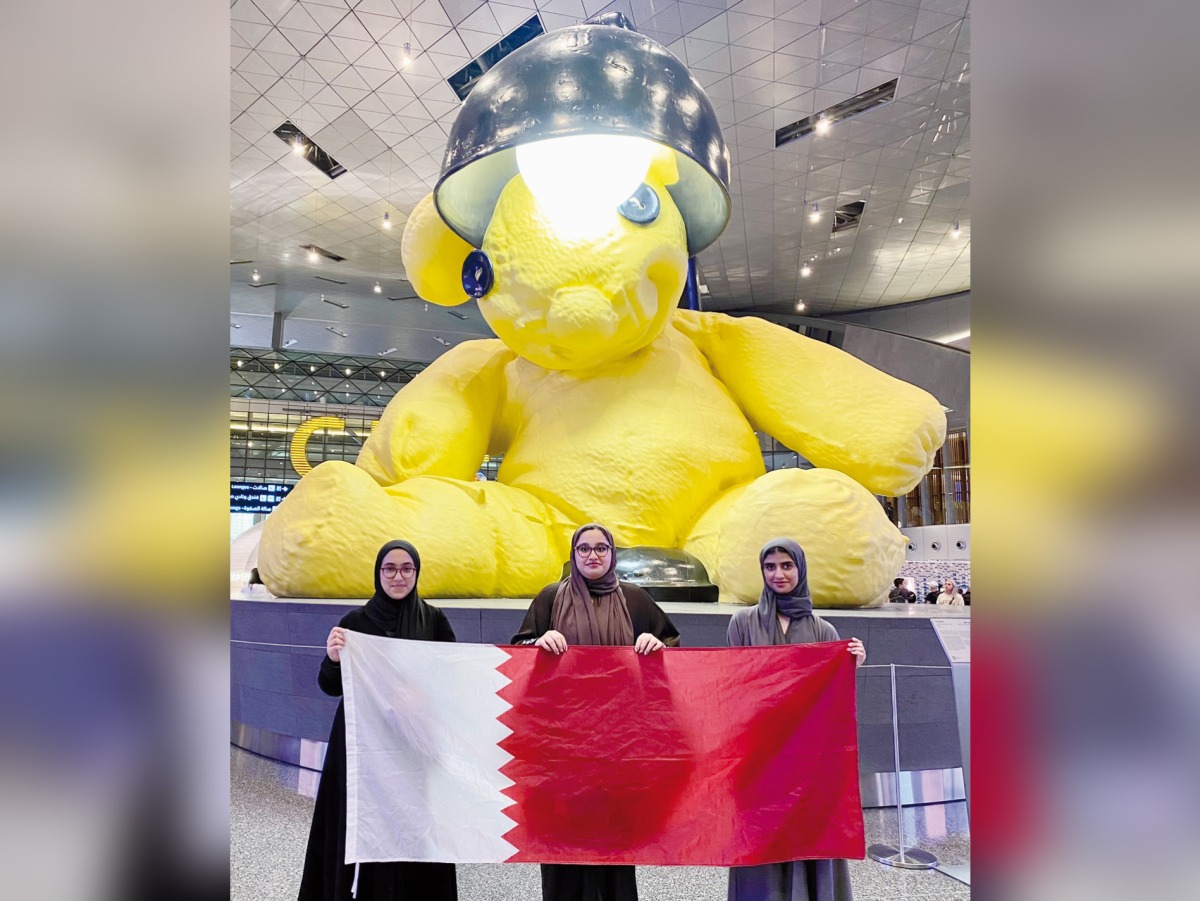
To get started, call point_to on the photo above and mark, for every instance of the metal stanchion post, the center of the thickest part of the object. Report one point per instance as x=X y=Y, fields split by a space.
x=908 y=858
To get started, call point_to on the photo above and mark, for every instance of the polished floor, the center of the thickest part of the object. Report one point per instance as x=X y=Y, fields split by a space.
x=271 y=806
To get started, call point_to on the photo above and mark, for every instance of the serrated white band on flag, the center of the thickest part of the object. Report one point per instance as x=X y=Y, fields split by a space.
x=422 y=751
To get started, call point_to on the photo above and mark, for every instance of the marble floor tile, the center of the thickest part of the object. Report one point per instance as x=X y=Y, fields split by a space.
x=271 y=807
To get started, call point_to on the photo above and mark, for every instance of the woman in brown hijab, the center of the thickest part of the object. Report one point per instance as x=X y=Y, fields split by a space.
x=591 y=607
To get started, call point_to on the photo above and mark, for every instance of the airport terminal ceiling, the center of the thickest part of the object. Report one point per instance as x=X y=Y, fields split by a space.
x=372 y=83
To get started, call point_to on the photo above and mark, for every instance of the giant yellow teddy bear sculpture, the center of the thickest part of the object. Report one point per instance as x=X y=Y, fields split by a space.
x=608 y=404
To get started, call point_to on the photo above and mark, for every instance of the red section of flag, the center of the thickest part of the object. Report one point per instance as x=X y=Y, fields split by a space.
x=700 y=757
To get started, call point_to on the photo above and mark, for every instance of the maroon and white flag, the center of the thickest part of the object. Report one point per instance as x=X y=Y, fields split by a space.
x=691 y=756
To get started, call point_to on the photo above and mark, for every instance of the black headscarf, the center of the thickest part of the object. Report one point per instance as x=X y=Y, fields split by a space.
x=409 y=617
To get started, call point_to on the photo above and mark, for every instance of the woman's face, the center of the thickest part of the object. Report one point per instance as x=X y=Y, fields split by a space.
x=780 y=573
x=594 y=564
x=949 y=587
x=397 y=573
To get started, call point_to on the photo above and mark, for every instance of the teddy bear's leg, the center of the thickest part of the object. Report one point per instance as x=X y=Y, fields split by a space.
x=852 y=548
x=476 y=539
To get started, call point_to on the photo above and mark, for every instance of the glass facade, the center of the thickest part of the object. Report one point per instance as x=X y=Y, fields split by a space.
x=944 y=495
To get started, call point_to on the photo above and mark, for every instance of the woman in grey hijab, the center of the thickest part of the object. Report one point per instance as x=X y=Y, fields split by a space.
x=784 y=615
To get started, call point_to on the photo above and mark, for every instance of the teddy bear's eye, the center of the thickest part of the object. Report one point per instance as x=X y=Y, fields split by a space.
x=477 y=274
x=642 y=206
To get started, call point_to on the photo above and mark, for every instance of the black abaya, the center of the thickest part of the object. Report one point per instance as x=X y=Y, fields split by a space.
x=326 y=875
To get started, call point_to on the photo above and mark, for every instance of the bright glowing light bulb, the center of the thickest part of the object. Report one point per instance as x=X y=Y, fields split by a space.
x=579 y=181
x=406 y=54
x=378 y=288
x=815 y=215
x=313 y=256
x=955 y=231
x=297 y=145
x=805 y=270
x=254 y=275
x=799 y=306
x=387 y=220
x=823 y=126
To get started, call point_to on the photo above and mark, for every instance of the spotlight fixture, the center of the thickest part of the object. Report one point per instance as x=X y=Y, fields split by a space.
x=406 y=54
x=820 y=122
x=900 y=221
x=799 y=306
x=312 y=368
x=321 y=252
x=276 y=365
x=254 y=275
x=289 y=342
x=239 y=362
x=347 y=372
x=330 y=328
x=387 y=220
x=955 y=232
x=440 y=340
x=378 y=288
x=805 y=271
x=814 y=214
x=313 y=256
x=234 y=325
x=303 y=145
x=384 y=353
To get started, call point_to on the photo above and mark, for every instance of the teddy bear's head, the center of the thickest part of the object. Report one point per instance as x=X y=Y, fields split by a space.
x=563 y=302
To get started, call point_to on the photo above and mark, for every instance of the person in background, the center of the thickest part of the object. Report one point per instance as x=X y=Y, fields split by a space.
x=950 y=595
x=899 y=594
x=591 y=607
x=784 y=616
x=395 y=611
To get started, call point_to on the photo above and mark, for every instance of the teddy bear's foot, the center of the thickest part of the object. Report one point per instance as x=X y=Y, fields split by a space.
x=852 y=548
x=476 y=539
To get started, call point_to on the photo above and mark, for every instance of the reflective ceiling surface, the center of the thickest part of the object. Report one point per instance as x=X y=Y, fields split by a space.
x=336 y=69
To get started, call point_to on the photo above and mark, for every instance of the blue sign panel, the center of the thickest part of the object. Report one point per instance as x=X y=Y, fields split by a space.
x=256 y=497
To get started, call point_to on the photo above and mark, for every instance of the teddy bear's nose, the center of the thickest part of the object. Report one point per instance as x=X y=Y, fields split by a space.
x=581 y=307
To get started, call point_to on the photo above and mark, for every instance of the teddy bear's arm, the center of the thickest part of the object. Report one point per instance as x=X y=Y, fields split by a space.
x=833 y=408
x=442 y=422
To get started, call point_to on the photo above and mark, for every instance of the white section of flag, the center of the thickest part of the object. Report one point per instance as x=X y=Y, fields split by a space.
x=423 y=760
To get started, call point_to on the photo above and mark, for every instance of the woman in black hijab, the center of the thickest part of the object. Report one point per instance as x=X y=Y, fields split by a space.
x=591 y=607
x=784 y=615
x=394 y=611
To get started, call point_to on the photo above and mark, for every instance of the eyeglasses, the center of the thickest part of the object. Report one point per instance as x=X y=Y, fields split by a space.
x=584 y=550
x=389 y=572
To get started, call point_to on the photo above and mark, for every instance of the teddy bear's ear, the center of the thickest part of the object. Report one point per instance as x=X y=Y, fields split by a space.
x=433 y=256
